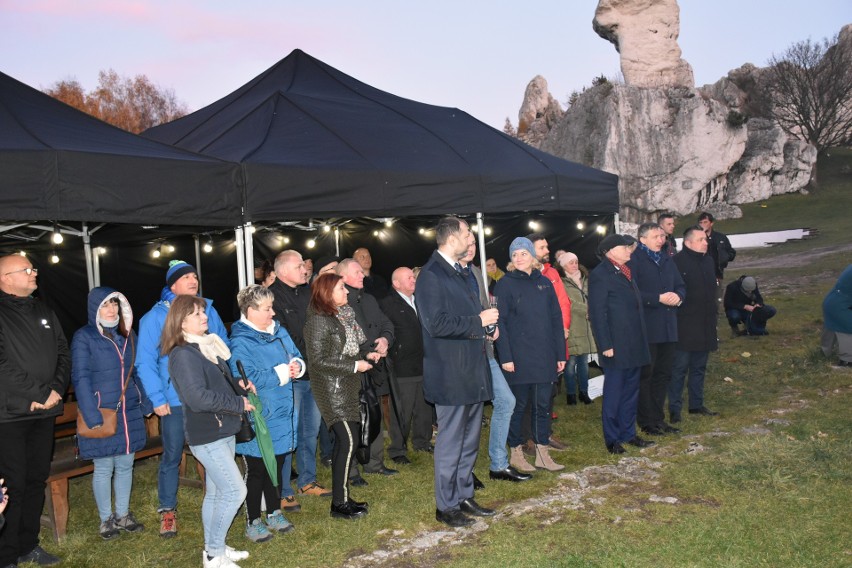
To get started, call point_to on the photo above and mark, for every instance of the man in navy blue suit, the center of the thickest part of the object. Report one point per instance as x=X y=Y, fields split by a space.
x=618 y=324
x=456 y=375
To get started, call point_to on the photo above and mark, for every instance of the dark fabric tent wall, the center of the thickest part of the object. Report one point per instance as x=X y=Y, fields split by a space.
x=58 y=163
x=315 y=142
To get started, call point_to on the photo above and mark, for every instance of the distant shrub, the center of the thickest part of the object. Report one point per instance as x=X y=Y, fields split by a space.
x=736 y=119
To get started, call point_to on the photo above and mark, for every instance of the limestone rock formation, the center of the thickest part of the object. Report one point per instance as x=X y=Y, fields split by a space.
x=540 y=112
x=645 y=34
x=670 y=148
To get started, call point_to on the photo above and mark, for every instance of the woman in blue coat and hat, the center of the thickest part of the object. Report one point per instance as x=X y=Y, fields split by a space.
x=102 y=356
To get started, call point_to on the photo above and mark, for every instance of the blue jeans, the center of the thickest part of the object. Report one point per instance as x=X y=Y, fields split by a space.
x=695 y=364
x=538 y=396
x=504 y=405
x=224 y=492
x=307 y=432
x=284 y=476
x=577 y=371
x=113 y=472
x=754 y=321
x=171 y=432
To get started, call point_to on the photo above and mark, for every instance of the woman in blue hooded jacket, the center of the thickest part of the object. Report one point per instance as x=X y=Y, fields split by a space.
x=270 y=360
x=102 y=356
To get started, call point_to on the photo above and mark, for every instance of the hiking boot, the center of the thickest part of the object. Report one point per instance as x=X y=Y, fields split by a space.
x=108 y=530
x=168 y=524
x=315 y=489
x=290 y=504
x=128 y=523
x=543 y=459
x=256 y=531
x=278 y=523
x=519 y=462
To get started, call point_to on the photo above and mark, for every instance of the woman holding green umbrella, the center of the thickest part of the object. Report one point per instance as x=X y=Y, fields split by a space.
x=270 y=360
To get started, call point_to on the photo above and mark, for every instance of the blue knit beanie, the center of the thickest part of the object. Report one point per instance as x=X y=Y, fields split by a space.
x=521 y=243
x=178 y=268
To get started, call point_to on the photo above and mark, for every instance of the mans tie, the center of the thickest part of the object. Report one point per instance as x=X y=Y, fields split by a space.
x=471 y=281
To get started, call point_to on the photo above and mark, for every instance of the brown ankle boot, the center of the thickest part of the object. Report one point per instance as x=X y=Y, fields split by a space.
x=518 y=461
x=543 y=459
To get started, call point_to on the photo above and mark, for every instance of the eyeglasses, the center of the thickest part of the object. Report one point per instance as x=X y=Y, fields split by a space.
x=29 y=270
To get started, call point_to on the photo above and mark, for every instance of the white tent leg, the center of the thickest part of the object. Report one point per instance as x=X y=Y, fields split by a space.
x=198 y=265
x=481 y=232
x=87 y=249
x=241 y=261
x=248 y=244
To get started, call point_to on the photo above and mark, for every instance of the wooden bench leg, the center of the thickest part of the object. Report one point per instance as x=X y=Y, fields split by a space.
x=56 y=495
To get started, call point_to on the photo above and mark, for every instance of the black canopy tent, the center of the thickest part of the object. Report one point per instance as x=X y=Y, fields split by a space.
x=315 y=142
x=57 y=163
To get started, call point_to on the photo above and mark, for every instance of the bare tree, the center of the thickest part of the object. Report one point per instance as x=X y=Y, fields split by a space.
x=809 y=91
x=509 y=129
x=131 y=104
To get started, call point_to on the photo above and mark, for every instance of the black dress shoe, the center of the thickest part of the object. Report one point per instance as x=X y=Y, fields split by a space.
x=453 y=517
x=401 y=460
x=641 y=443
x=584 y=398
x=669 y=429
x=326 y=462
x=615 y=448
x=427 y=449
x=653 y=431
x=383 y=471
x=509 y=474
x=704 y=411
x=358 y=481
x=359 y=504
x=347 y=511
x=572 y=400
x=674 y=417
x=477 y=485
x=471 y=507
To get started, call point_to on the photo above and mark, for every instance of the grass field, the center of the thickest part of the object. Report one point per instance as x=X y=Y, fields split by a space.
x=767 y=483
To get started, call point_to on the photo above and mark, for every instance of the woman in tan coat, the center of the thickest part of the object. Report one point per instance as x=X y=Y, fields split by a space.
x=580 y=340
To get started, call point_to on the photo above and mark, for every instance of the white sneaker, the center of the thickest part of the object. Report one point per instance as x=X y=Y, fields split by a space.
x=235 y=554
x=217 y=561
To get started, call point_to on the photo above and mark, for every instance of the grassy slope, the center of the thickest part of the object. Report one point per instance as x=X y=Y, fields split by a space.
x=775 y=499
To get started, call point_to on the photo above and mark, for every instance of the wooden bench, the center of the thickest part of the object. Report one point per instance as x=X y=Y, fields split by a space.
x=67 y=464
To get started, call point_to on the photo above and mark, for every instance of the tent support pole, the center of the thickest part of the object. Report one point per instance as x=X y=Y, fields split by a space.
x=616 y=222
x=337 y=242
x=198 y=264
x=87 y=250
x=481 y=234
x=241 y=261
x=249 y=255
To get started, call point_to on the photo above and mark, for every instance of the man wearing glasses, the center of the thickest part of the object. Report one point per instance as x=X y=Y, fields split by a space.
x=35 y=367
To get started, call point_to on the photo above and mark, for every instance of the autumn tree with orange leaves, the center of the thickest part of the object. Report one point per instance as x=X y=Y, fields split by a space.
x=134 y=104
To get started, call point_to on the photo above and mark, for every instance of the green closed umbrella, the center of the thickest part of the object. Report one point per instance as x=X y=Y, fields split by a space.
x=263 y=439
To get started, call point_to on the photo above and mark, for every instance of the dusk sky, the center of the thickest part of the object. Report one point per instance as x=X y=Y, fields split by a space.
x=475 y=55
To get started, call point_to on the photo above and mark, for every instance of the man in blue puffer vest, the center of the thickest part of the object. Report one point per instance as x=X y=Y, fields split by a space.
x=153 y=368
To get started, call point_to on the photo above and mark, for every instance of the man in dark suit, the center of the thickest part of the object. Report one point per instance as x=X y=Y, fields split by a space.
x=456 y=375
x=412 y=414
x=378 y=330
x=662 y=290
x=720 y=250
x=618 y=324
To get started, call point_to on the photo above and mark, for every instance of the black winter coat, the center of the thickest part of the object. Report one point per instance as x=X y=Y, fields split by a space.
x=334 y=383
x=211 y=409
x=617 y=318
x=652 y=280
x=407 y=351
x=291 y=310
x=375 y=324
x=720 y=249
x=696 y=317
x=34 y=358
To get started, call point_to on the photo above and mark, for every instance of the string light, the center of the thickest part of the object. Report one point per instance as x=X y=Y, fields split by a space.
x=208 y=246
x=421 y=230
x=156 y=252
x=57 y=237
x=22 y=253
x=533 y=225
x=170 y=248
x=388 y=222
x=375 y=233
x=580 y=225
x=311 y=243
x=101 y=251
x=54 y=258
x=326 y=228
x=600 y=229
x=488 y=231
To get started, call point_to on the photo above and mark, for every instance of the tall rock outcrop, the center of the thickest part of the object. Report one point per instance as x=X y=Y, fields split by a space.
x=675 y=148
x=539 y=112
x=645 y=34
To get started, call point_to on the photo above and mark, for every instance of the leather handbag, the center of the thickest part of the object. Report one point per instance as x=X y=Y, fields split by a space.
x=371 y=418
x=109 y=415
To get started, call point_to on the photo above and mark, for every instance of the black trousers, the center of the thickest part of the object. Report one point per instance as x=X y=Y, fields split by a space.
x=259 y=483
x=654 y=385
x=26 y=448
x=416 y=415
x=346 y=435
